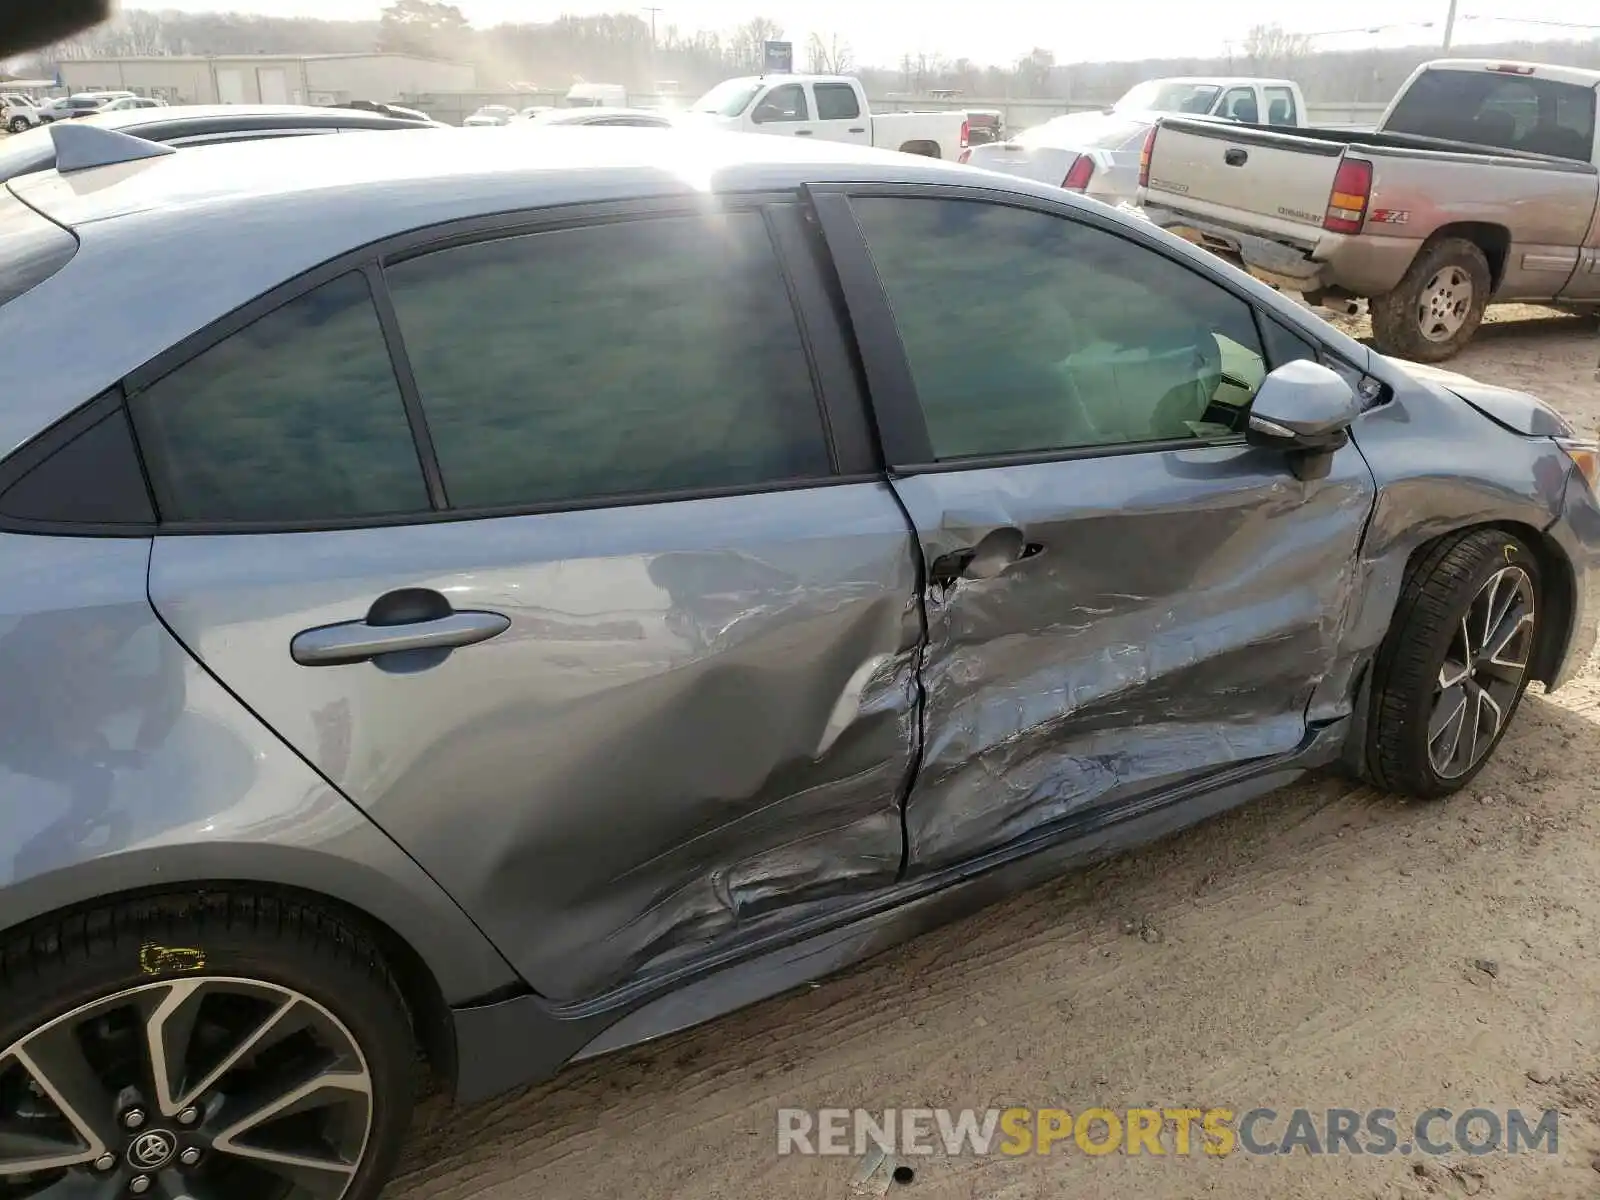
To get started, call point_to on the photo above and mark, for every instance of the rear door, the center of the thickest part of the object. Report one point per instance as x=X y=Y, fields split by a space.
x=559 y=549
x=1123 y=597
x=840 y=114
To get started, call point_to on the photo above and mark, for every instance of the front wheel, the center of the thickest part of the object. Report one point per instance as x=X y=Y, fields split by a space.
x=1438 y=305
x=18 y=125
x=231 y=1048
x=1454 y=666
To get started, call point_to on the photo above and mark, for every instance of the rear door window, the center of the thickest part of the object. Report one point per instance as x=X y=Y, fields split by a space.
x=1281 y=108
x=650 y=356
x=1509 y=112
x=297 y=418
x=837 y=102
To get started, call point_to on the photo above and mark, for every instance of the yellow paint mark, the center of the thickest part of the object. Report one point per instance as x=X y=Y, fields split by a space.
x=1510 y=551
x=168 y=960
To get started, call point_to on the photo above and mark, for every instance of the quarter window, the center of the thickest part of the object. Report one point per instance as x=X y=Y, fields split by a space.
x=837 y=102
x=1029 y=333
x=295 y=418
x=645 y=356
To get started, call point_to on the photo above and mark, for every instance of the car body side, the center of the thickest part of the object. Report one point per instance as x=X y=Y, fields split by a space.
x=79 y=637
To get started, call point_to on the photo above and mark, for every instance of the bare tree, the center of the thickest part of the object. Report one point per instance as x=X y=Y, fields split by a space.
x=747 y=44
x=1033 y=72
x=829 y=56
x=1271 y=47
x=424 y=27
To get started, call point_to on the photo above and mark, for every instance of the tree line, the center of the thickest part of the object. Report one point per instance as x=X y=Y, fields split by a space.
x=628 y=48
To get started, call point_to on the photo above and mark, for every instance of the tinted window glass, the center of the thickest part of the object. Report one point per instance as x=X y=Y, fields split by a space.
x=1070 y=337
x=296 y=417
x=1284 y=345
x=837 y=102
x=1240 y=104
x=643 y=356
x=1512 y=112
x=787 y=103
x=1281 y=107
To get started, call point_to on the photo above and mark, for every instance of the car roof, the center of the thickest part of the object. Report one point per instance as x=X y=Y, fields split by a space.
x=174 y=242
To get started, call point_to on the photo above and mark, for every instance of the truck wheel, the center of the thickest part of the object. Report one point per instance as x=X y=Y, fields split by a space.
x=1454 y=665
x=18 y=125
x=1437 y=306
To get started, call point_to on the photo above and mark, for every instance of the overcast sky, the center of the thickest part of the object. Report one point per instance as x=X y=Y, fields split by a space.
x=999 y=31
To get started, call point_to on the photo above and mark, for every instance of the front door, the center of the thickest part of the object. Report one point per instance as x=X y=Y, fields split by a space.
x=785 y=110
x=1123 y=597
x=626 y=663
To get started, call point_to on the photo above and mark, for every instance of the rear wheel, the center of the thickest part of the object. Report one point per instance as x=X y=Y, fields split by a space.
x=235 y=1048
x=1454 y=666
x=18 y=125
x=1437 y=306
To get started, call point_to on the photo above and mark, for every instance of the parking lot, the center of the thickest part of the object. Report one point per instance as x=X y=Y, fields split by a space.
x=1325 y=947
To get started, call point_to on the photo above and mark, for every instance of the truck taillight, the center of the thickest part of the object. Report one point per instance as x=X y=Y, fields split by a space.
x=1145 y=154
x=1347 y=205
x=1079 y=174
x=966 y=134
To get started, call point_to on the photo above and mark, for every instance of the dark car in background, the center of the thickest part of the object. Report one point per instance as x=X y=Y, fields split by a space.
x=202 y=124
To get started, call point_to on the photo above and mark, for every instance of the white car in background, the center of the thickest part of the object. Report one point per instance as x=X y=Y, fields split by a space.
x=122 y=104
x=17 y=112
x=1099 y=159
x=491 y=114
x=639 y=117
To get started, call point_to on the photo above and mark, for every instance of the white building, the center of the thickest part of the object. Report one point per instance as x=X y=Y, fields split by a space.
x=270 y=78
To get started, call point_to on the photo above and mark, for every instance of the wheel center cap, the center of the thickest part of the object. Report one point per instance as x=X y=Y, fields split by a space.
x=152 y=1150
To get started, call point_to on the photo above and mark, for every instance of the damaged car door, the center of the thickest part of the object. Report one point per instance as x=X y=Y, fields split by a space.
x=1123 y=596
x=622 y=648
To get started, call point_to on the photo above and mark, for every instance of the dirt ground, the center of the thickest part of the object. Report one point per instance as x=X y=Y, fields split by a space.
x=1324 y=947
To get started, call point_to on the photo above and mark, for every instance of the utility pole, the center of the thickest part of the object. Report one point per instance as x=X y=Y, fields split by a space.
x=1450 y=25
x=654 y=11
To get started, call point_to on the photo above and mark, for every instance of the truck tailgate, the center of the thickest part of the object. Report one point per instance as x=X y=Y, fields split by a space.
x=1222 y=170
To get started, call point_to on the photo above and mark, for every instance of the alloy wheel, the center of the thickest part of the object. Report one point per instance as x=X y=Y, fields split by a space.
x=1483 y=672
x=1444 y=304
x=196 y=1089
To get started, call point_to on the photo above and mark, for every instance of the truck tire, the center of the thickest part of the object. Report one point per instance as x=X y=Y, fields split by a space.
x=18 y=125
x=1453 y=667
x=1438 y=305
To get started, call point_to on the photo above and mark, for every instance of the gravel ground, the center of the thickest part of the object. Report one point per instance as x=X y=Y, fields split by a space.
x=1326 y=946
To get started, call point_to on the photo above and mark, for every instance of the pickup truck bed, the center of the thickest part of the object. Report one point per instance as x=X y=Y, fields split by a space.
x=1428 y=229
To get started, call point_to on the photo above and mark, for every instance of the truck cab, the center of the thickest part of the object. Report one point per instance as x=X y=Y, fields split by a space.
x=1247 y=99
x=830 y=108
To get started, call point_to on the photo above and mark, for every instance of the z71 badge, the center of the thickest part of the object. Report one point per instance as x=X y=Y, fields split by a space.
x=1390 y=216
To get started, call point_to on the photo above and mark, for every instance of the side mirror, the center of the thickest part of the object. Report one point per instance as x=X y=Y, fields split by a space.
x=1306 y=410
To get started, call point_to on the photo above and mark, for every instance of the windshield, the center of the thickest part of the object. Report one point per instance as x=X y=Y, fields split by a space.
x=1156 y=96
x=729 y=99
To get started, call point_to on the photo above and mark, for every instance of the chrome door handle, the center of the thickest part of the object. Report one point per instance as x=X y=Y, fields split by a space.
x=358 y=641
x=858 y=129
x=802 y=133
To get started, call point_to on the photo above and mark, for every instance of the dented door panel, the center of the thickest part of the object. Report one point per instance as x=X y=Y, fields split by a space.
x=1171 y=616
x=697 y=726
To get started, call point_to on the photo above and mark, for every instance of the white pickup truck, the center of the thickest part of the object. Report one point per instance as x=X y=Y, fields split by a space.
x=1098 y=152
x=830 y=108
x=17 y=112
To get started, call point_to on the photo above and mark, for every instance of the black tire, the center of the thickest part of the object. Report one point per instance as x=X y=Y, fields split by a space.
x=1440 y=590
x=51 y=970
x=1397 y=318
x=18 y=125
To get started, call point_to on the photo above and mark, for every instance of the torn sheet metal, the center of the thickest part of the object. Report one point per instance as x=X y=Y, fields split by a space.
x=1175 y=620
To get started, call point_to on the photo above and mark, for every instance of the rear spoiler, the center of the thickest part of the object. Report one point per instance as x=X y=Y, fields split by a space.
x=81 y=147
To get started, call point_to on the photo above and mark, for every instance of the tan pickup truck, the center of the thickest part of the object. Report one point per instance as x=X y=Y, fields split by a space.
x=1480 y=185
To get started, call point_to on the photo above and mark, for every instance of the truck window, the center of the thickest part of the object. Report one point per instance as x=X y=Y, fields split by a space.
x=1281 y=107
x=1240 y=104
x=781 y=104
x=1510 y=112
x=837 y=102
